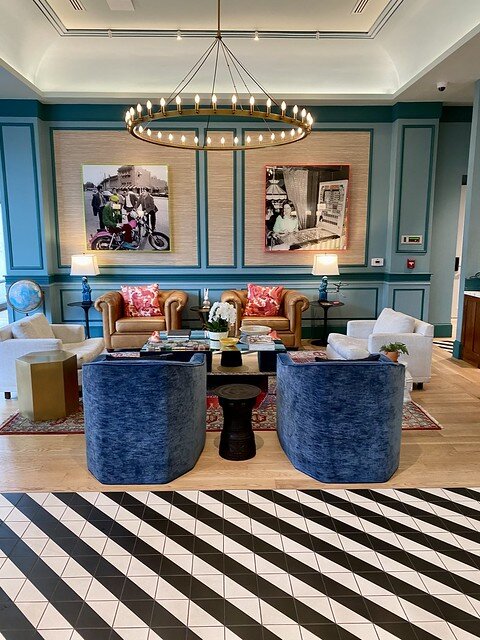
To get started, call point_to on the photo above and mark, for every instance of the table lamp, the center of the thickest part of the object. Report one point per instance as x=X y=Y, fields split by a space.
x=325 y=264
x=85 y=265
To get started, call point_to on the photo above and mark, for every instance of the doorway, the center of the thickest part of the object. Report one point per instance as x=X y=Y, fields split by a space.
x=458 y=255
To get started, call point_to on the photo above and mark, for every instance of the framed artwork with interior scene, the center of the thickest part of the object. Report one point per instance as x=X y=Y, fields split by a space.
x=306 y=207
x=126 y=207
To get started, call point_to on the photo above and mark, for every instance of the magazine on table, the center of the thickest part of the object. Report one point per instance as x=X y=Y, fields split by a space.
x=261 y=343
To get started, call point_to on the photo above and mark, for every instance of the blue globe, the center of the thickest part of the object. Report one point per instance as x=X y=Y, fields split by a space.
x=25 y=296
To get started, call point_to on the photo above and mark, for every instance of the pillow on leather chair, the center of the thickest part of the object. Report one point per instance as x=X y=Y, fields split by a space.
x=263 y=301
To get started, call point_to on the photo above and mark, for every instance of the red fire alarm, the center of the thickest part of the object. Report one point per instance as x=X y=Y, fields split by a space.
x=410 y=263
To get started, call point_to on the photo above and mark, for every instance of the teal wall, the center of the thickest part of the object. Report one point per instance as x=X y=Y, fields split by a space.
x=452 y=165
x=404 y=163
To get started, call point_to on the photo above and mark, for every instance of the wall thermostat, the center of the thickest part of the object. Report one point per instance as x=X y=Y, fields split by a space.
x=376 y=262
x=412 y=239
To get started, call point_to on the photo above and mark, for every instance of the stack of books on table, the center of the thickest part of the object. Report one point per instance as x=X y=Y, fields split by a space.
x=180 y=335
x=261 y=343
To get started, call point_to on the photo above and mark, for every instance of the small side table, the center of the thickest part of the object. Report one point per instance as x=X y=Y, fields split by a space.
x=326 y=305
x=86 y=306
x=202 y=314
x=47 y=385
x=237 y=441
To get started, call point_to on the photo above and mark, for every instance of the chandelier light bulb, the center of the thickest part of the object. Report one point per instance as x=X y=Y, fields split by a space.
x=292 y=132
x=269 y=106
x=140 y=129
x=299 y=131
x=162 y=105
x=183 y=139
x=272 y=137
x=132 y=112
x=139 y=108
x=149 y=107
x=209 y=140
x=222 y=141
x=195 y=140
x=159 y=135
x=304 y=114
x=249 y=139
x=149 y=132
x=197 y=102
x=178 y=100
x=234 y=103
x=283 y=107
x=170 y=137
x=260 y=138
x=255 y=37
x=235 y=141
x=282 y=135
x=214 y=102
x=295 y=111
x=252 y=104
x=179 y=35
x=309 y=119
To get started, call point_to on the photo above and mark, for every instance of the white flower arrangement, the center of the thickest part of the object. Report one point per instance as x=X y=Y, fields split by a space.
x=222 y=314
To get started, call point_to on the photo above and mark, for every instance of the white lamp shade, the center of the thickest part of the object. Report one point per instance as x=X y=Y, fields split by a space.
x=84 y=265
x=325 y=264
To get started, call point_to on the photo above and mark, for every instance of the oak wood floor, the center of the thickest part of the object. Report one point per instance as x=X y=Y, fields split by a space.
x=446 y=458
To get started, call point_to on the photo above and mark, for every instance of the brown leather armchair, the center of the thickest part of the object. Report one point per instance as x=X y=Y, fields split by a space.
x=123 y=332
x=288 y=323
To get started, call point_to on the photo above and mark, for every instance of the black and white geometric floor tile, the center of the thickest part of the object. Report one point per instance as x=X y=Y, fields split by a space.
x=446 y=345
x=241 y=565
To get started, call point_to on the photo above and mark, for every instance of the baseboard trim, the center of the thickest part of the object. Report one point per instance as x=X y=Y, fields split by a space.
x=443 y=331
x=457 y=349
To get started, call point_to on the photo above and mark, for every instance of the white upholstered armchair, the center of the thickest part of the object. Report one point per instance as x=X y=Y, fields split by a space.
x=35 y=333
x=368 y=336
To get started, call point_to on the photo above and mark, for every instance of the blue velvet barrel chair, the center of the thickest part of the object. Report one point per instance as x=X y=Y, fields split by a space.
x=340 y=421
x=145 y=420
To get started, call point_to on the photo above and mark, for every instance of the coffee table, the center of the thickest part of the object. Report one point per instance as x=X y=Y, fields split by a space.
x=266 y=360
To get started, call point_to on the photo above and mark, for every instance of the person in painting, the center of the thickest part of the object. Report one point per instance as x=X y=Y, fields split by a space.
x=131 y=200
x=112 y=218
x=98 y=203
x=287 y=221
x=149 y=207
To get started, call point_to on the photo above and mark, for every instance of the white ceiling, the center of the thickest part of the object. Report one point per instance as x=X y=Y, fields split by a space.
x=395 y=50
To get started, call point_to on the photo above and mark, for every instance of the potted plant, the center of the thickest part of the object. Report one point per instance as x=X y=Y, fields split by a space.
x=220 y=317
x=393 y=349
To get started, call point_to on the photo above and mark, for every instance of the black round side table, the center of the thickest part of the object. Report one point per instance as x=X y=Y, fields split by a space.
x=237 y=441
x=86 y=306
x=325 y=305
x=202 y=314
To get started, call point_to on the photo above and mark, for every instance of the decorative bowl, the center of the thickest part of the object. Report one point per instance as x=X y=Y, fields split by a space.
x=228 y=342
x=255 y=330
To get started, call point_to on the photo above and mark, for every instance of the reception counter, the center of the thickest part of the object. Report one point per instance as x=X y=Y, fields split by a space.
x=471 y=328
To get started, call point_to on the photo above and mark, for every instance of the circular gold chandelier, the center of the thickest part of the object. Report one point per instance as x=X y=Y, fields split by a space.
x=143 y=122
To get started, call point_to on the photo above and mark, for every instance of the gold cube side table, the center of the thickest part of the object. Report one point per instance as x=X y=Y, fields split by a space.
x=47 y=383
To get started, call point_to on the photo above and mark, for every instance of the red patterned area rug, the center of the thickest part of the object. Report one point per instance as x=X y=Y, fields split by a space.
x=264 y=419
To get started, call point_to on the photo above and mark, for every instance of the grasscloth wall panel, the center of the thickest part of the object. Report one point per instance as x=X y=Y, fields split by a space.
x=322 y=147
x=74 y=148
x=220 y=169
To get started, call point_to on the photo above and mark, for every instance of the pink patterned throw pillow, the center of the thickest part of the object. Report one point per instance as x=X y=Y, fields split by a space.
x=141 y=300
x=263 y=301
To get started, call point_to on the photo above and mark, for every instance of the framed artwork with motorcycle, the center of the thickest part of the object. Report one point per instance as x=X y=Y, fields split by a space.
x=126 y=207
